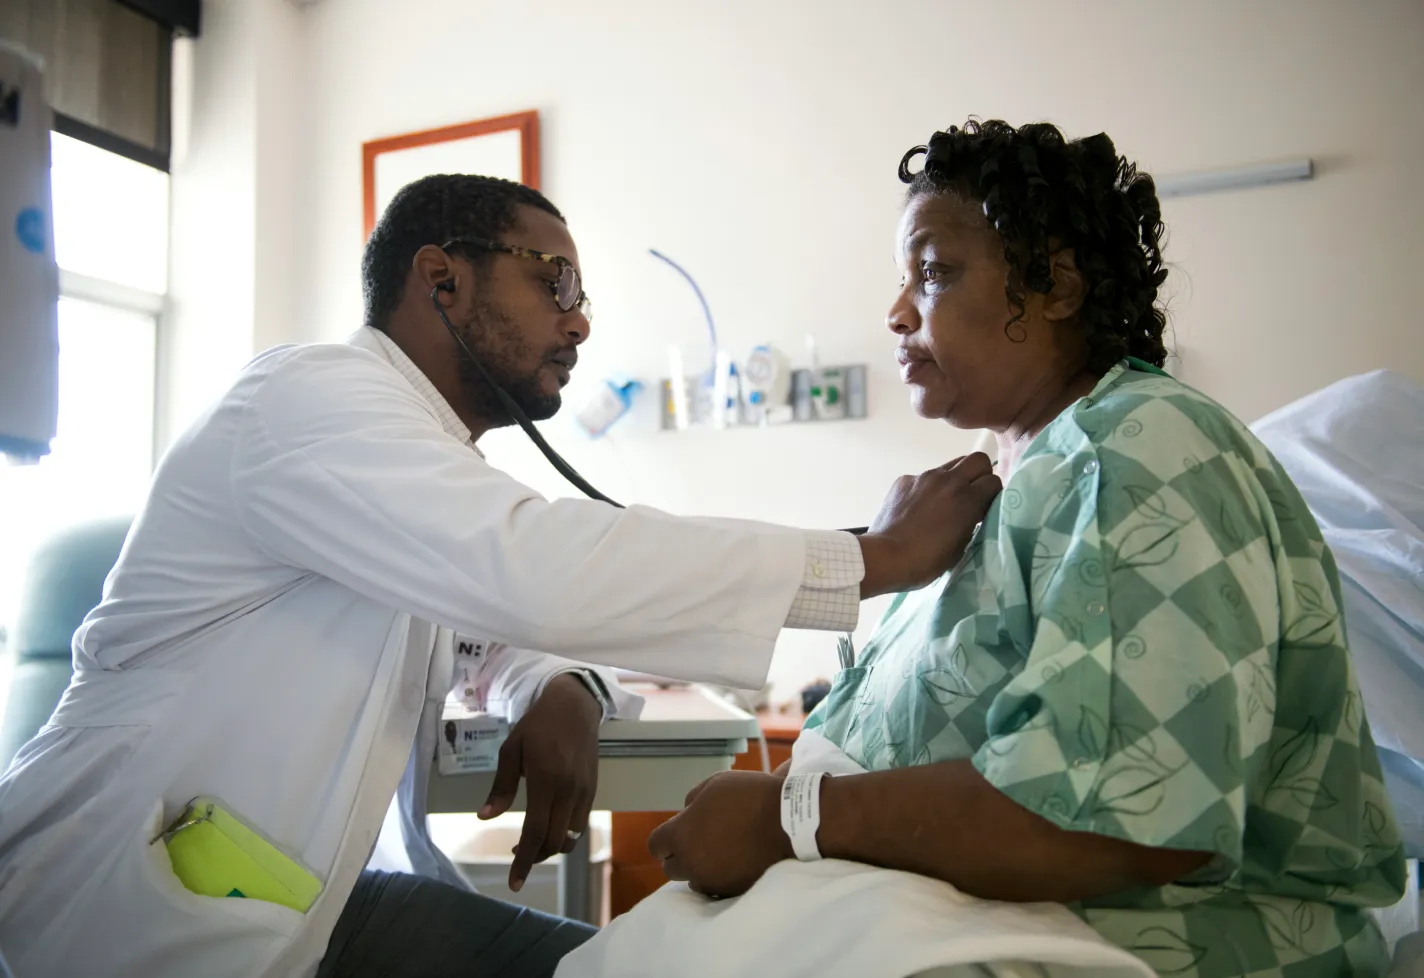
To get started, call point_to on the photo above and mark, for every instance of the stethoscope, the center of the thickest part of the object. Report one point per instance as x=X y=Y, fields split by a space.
x=520 y=418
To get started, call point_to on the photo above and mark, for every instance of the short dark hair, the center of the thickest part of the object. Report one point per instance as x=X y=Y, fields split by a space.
x=432 y=210
x=1036 y=187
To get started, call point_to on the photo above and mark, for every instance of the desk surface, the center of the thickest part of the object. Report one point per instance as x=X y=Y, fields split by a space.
x=684 y=736
x=681 y=713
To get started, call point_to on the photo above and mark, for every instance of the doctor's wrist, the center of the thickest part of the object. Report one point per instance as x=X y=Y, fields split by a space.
x=878 y=555
x=570 y=690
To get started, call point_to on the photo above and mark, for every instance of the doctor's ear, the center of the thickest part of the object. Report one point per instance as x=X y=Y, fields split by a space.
x=434 y=269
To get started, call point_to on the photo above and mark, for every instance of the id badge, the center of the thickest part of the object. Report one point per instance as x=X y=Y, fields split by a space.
x=469 y=740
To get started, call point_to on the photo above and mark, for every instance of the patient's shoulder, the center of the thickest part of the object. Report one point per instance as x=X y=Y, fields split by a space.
x=1155 y=420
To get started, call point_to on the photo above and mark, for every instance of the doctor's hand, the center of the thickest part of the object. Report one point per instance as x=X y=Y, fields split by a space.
x=925 y=524
x=555 y=748
x=728 y=835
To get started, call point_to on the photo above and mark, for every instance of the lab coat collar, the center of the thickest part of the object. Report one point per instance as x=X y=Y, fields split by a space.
x=384 y=347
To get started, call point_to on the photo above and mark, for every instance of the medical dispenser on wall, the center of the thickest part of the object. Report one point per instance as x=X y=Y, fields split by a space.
x=765 y=390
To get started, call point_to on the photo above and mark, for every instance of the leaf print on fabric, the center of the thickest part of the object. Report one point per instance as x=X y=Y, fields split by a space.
x=1231 y=750
x=1261 y=692
x=1138 y=746
x=1226 y=525
x=899 y=720
x=1315 y=619
x=1153 y=541
x=1375 y=820
x=1044 y=563
x=872 y=740
x=1342 y=858
x=1150 y=502
x=946 y=686
x=1131 y=790
x=1092 y=732
x=1379 y=840
x=1354 y=712
x=1148 y=545
x=1168 y=952
x=1286 y=932
x=1289 y=764
x=1295 y=756
x=1280 y=505
x=1309 y=793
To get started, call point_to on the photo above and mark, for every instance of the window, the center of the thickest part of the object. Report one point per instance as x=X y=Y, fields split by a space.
x=111 y=242
x=107 y=66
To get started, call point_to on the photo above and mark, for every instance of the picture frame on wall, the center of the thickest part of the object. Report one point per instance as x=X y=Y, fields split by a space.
x=506 y=146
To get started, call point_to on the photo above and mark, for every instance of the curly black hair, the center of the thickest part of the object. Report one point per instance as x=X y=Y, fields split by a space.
x=432 y=210
x=1041 y=191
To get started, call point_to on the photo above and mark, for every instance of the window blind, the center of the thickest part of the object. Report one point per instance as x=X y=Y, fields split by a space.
x=107 y=67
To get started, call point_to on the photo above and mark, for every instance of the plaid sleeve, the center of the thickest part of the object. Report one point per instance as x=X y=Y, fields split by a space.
x=829 y=596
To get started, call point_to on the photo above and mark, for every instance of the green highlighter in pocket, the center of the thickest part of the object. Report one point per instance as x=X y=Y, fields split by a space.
x=213 y=854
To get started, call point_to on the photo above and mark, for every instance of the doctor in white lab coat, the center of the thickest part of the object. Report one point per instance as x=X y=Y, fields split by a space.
x=288 y=612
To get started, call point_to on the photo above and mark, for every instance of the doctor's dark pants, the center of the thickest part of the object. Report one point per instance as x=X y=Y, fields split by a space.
x=401 y=926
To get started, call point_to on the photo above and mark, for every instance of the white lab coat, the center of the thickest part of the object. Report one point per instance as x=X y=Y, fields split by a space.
x=266 y=638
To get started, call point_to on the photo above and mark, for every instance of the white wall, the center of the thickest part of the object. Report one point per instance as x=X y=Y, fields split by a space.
x=239 y=99
x=756 y=142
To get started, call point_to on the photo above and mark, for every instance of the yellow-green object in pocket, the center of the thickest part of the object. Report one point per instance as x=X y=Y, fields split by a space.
x=213 y=854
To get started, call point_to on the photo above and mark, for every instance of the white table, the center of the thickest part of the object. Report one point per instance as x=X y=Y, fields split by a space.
x=684 y=736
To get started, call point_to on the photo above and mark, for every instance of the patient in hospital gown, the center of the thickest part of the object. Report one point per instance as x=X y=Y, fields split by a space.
x=1134 y=695
x=1144 y=641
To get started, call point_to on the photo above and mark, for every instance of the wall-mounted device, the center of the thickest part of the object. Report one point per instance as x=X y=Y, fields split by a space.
x=820 y=394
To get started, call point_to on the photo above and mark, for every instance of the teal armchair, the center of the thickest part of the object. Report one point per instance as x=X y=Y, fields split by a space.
x=64 y=580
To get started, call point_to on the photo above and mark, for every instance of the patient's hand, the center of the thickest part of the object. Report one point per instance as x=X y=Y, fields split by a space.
x=728 y=835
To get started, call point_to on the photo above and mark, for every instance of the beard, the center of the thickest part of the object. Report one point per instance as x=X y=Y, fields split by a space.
x=498 y=342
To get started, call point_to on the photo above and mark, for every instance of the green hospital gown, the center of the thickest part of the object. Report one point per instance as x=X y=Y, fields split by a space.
x=1144 y=641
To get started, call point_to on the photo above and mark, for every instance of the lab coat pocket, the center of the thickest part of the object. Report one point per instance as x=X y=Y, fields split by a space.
x=157 y=872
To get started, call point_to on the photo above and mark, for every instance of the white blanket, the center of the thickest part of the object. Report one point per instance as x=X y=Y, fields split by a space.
x=835 y=919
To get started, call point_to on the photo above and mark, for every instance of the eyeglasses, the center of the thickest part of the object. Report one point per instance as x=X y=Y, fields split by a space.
x=567 y=290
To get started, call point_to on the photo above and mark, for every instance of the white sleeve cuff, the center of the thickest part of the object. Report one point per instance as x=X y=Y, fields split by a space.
x=829 y=596
x=619 y=704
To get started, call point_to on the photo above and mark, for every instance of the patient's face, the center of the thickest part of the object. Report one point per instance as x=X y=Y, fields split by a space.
x=962 y=360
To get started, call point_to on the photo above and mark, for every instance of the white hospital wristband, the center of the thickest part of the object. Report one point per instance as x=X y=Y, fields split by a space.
x=801 y=813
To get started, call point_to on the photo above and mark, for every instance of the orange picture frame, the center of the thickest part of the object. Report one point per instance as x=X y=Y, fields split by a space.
x=525 y=123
